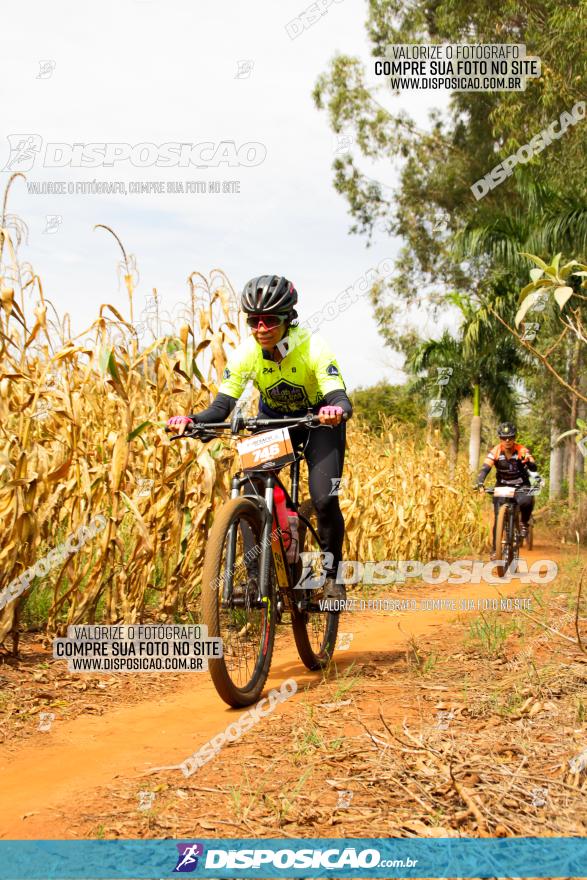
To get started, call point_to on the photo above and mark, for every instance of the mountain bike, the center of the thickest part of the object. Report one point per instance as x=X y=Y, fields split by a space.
x=508 y=535
x=247 y=582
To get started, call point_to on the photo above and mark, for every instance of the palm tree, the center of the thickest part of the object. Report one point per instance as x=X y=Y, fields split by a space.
x=545 y=222
x=484 y=373
x=444 y=354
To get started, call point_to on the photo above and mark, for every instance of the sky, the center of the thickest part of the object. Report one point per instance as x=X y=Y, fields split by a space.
x=148 y=72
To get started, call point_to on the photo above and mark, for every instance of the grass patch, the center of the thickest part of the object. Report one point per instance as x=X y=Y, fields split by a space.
x=487 y=634
x=345 y=682
x=423 y=664
x=307 y=738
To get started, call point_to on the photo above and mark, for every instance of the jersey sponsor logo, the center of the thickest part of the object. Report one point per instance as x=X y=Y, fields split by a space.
x=226 y=374
x=332 y=370
x=287 y=394
x=511 y=471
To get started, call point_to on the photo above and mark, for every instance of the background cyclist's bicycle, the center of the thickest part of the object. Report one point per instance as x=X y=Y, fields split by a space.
x=508 y=534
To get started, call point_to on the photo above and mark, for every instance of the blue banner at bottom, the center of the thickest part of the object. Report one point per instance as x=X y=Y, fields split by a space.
x=276 y=858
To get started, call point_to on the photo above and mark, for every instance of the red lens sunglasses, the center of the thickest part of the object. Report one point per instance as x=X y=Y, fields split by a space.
x=270 y=322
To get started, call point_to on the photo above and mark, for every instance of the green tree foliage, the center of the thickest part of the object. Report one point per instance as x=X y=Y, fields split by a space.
x=480 y=129
x=397 y=401
x=453 y=243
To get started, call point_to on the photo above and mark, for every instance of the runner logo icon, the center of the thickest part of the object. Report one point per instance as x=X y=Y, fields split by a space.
x=23 y=151
x=187 y=860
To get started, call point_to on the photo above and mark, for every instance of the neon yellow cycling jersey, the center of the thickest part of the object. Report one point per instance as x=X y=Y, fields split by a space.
x=307 y=372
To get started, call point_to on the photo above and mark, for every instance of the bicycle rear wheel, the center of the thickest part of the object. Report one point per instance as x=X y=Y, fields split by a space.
x=314 y=631
x=245 y=622
x=503 y=541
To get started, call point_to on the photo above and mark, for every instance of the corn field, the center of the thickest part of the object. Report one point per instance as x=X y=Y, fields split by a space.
x=82 y=435
x=402 y=500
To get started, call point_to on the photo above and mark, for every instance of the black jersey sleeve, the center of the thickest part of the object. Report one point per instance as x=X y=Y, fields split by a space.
x=338 y=397
x=219 y=409
x=482 y=475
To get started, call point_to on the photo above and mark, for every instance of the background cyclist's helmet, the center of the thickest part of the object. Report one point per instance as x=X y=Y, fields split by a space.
x=507 y=430
x=270 y=294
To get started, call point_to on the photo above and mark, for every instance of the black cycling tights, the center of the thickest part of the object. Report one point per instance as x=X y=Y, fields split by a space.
x=324 y=451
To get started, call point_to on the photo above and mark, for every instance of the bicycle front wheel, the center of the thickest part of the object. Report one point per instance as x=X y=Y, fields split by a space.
x=232 y=608
x=503 y=541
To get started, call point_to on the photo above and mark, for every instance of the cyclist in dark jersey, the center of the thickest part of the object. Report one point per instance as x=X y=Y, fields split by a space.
x=294 y=371
x=512 y=463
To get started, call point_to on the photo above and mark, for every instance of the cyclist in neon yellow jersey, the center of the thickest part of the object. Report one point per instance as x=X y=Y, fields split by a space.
x=302 y=377
x=294 y=371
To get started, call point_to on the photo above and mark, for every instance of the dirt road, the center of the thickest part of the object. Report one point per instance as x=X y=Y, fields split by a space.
x=47 y=779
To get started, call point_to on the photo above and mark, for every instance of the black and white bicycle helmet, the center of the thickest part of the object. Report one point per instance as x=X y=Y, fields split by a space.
x=507 y=431
x=270 y=294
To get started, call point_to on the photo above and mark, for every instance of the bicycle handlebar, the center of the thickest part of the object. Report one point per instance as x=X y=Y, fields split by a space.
x=523 y=490
x=250 y=424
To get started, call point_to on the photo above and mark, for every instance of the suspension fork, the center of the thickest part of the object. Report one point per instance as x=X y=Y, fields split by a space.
x=512 y=525
x=508 y=527
x=266 y=549
x=516 y=530
x=511 y=534
x=295 y=482
x=235 y=488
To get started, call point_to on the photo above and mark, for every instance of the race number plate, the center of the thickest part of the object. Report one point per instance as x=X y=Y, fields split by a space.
x=504 y=492
x=266 y=451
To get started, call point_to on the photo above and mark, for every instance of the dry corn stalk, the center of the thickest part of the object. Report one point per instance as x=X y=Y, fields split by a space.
x=81 y=436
